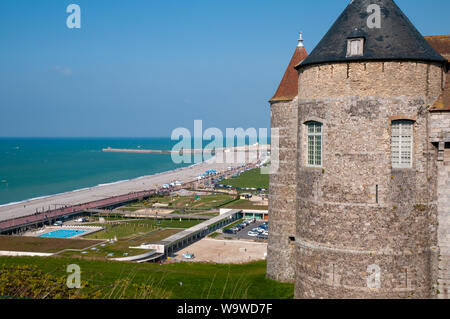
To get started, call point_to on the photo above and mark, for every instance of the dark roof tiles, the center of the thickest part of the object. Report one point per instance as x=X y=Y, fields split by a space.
x=288 y=88
x=441 y=43
x=397 y=39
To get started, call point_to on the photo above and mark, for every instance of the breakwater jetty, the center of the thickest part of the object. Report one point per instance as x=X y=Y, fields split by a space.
x=142 y=151
x=246 y=148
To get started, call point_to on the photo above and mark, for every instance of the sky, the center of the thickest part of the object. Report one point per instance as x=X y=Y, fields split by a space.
x=141 y=68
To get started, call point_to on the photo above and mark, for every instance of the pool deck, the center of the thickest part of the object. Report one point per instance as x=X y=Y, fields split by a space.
x=87 y=230
x=64 y=233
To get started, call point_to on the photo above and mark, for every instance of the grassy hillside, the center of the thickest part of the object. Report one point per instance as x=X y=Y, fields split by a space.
x=104 y=279
x=42 y=244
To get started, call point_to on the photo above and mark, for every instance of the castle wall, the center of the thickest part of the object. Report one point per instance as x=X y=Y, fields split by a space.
x=444 y=225
x=440 y=127
x=364 y=229
x=440 y=134
x=282 y=198
x=380 y=79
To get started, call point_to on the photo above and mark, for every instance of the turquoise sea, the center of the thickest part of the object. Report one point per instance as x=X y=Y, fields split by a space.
x=35 y=167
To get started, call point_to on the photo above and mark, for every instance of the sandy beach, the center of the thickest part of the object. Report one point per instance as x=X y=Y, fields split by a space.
x=186 y=174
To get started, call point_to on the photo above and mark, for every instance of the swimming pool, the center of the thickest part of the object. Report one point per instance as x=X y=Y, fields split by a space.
x=64 y=233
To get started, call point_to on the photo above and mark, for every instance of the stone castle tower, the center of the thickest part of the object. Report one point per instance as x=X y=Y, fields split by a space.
x=370 y=125
x=282 y=204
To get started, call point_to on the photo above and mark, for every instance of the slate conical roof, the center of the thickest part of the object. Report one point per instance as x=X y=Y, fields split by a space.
x=288 y=88
x=396 y=39
x=441 y=43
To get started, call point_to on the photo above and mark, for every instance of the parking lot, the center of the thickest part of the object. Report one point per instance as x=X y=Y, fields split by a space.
x=243 y=233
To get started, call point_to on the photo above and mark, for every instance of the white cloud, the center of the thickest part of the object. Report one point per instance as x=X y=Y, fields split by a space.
x=63 y=70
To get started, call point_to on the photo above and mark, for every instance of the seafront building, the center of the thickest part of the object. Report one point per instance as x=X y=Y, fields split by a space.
x=360 y=205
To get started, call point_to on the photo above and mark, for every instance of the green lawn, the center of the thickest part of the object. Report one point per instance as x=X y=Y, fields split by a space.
x=42 y=244
x=250 y=179
x=234 y=224
x=130 y=228
x=245 y=204
x=121 y=248
x=128 y=280
x=184 y=203
x=213 y=235
x=209 y=214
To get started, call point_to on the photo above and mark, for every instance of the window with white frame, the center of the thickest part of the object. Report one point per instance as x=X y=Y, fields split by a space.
x=355 y=47
x=402 y=143
x=314 y=144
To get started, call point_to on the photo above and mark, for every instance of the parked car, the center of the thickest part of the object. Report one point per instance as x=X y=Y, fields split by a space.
x=252 y=233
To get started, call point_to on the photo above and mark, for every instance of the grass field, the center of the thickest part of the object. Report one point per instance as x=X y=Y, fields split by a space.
x=128 y=280
x=234 y=224
x=209 y=214
x=213 y=235
x=129 y=228
x=246 y=204
x=131 y=233
x=250 y=179
x=122 y=248
x=41 y=244
x=185 y=203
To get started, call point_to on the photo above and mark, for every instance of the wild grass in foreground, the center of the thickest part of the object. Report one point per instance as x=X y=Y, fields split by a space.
x=113 y=280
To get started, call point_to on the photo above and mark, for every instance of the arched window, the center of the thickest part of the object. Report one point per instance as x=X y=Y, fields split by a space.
x=314 y=144
x=402 y=143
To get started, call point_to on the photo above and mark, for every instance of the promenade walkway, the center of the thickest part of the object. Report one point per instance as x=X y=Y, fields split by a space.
x=39 y=211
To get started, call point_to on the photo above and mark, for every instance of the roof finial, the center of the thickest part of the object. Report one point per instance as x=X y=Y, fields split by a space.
x=300 y=39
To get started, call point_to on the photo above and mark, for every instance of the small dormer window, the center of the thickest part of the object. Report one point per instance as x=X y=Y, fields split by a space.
x=355 y=47
x=355 y=43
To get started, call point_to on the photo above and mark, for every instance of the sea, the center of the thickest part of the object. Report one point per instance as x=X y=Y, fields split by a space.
x=37 y=167
x=32 y=168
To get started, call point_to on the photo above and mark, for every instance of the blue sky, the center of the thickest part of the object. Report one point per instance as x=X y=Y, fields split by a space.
x=145 y=67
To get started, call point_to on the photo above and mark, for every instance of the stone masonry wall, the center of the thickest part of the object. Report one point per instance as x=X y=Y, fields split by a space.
x=380 y=79
x=444 y=225
x=364 y=229
x=440 y=134
x=440 y=126
x=282 y=200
